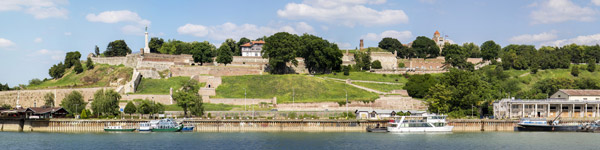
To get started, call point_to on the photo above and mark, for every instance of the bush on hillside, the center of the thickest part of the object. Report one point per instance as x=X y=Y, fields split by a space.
x=376 y=64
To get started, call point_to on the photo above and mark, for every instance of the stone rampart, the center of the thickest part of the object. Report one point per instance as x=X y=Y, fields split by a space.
x=163 y=99
x=238 y=101
x=110 y=60
x=214 y=70
x=388 y=60
x=27 y=98
x=393 y=102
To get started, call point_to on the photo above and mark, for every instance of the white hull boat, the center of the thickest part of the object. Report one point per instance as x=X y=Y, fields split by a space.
x=425 y=123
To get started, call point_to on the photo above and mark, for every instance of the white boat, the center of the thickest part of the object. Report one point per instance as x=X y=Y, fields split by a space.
x=148 y=126
x=425 y=123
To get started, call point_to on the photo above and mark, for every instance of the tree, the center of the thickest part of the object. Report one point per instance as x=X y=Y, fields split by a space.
x=281 y=48
x=490 y=50
x=224 y=55
x=425 y=47
x=84 y=114
x=390 y=44
x=5 y=107
x=106 y=102
x=376 y=64
x=439 y=99
x=203 y=52
x=35 y=81
x=72 y=58
x=73 y=102
x=130 y=108
x=197 y=107
x=575 y=71
x=346 y=70
x=591 y=67
x=418 y=85
x=89 y=64
x=97 y=50
x=57 y=71
x=49 y=99
x=155 y=43
x=363 y=60
x=188 y=98
x=144 y=107
x=319 y=55
x=78 y=68
x=472 y=49
x=234 y=48
x=117 y=48
x=406 y=52
x=4 y=87
x=456 y=56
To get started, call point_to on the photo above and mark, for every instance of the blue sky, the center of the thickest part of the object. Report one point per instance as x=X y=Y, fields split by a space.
x=34 y=34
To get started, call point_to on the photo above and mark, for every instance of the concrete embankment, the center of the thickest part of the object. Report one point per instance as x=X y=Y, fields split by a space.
x=74 y=125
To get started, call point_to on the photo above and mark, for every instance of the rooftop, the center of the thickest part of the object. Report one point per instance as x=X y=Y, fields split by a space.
x=576 y=92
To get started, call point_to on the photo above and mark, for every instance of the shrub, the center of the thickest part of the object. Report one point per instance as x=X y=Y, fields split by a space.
x=376 y=64
x=78 y=68
x=401 y=65
x=575 y=71
x=346 y=70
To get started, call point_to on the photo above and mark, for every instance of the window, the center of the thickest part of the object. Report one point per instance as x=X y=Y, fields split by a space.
x=552 y=107
x=577 y=107
x=589 y=108
x=584 y=98
x=565 y=108
x=558 y=95
x=515 y=106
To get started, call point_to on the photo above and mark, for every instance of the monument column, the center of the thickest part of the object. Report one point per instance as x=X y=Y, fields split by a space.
x=146 y=48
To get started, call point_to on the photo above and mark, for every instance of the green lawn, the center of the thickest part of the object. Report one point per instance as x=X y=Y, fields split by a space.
x=380 y=87
x=307 y=89
x=100 y=76
x=367 y=76
x=162 y=86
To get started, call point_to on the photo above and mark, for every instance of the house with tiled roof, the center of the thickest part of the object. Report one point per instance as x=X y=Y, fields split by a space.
x=566 y=103
x=253 y=48
x=577 y=94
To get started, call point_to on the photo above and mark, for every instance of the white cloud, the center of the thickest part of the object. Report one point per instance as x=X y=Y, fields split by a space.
x=5 y=43
x=596 y=2
x=137 y=28
x=554 y=11
x=231 y=30
x=346 y=12
x=400 y=35
x=52 y=54
x=40 y=9
x=68 y=33
x=532 y=38
x=427 y=1
x=38 y=40
x=581 y=40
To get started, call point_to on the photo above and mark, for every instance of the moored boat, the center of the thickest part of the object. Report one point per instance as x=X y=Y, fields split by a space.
x=167 y=125
x=187 y=129
x=118 y=129
x=540 y=124
x=424 y=123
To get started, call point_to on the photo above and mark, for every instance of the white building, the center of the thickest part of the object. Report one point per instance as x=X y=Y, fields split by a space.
x=253 y=48
x=569 y=103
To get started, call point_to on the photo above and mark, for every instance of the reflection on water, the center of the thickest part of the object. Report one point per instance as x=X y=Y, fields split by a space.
x=291 y=140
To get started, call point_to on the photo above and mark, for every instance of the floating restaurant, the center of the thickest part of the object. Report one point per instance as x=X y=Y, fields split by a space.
x=568 y=103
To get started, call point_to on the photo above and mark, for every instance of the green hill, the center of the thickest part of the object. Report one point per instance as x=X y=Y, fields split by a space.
x=307 y=89
x=162 y=86
x=102 y=75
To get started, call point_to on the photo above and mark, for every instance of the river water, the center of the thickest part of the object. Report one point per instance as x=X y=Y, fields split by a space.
x=294 y=140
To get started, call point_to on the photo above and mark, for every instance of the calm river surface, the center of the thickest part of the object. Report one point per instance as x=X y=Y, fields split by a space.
x=311 y=141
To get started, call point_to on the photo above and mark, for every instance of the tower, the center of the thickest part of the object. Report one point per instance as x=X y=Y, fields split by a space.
x=146 y=48
x=362 y=45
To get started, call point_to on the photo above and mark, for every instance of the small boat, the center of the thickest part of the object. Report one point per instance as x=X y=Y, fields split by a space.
x=187 y=129
x=590 y=127
x=145 y=127
x=424 y=123
x=167 y=125
x=540 y=124
x=377 y=129
x=118 y=129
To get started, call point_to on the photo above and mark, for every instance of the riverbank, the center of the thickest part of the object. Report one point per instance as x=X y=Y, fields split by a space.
x=80 y=125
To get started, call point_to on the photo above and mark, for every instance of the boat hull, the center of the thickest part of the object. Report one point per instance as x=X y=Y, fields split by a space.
x=377 y=129
x=422 y=129
x=557 y=128
x=120 y=130
x=187 y=129
x=175 y=129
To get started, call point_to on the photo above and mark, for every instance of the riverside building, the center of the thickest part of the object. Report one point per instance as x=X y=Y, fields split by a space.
x=569 y=103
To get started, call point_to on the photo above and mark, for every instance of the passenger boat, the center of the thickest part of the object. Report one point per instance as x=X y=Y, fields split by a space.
x=167 y=125
x=532 y=124
x=118 y=129
x=187 y=129
x=424 y=123
x=147 y=126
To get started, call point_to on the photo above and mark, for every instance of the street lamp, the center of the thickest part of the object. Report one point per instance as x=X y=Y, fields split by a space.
x=472 y=110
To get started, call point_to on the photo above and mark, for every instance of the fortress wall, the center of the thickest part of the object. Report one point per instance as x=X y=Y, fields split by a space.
x=388 y=60
x=214 y=70
x=420 y=64
x=27 y=98
x=163 y=99
x=391 y=103
x=238 y=101
x=110 y=60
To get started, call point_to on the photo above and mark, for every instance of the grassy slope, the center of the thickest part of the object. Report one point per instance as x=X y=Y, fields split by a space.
x=100 y=76
x=162 y=86
x=528 y=80
x=307 y=89
x=217 y=107
x=367 y=76
x=380 y=87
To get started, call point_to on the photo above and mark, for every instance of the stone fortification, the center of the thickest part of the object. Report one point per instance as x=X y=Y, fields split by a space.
x=239 y=101
x=392 y=102
x=27 y=98
x=163 y=99
x=348 y=59
x=147 y=64
x=388 y=60
x=214 y=70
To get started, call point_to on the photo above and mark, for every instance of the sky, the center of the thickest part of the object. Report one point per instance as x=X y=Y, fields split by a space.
x=35 y=34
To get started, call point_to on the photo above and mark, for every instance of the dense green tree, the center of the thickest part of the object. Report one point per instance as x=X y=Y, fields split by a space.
x=84 y=114
x=418 y=85
x=145 y=107
x=155 y=43
x=203 y=52
x=376 y=64
x=73 y=102
x=552 y=85
x=577 y=53
x=591 y=67
x=117 y=48
x=363 y=60
x=319 y=55
x=439 y=101
x=78 y=68
x=72 y=58
x=224 y=54
x=97 y=50
x=473 y=50
x=575 y=71
x=456 y=56
x=346 y=70
x=130 y=108
x=281 y=48
x=490 y=50
x=49 y=99
x=57 y=71
x=406 y=52
x=89 y=64
x=106 y=102
x=235 y=49
x=425 y=47
x=188 y=98
x=35 y=81
x=593 y=52
x=4 y=87
x=390 y=44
